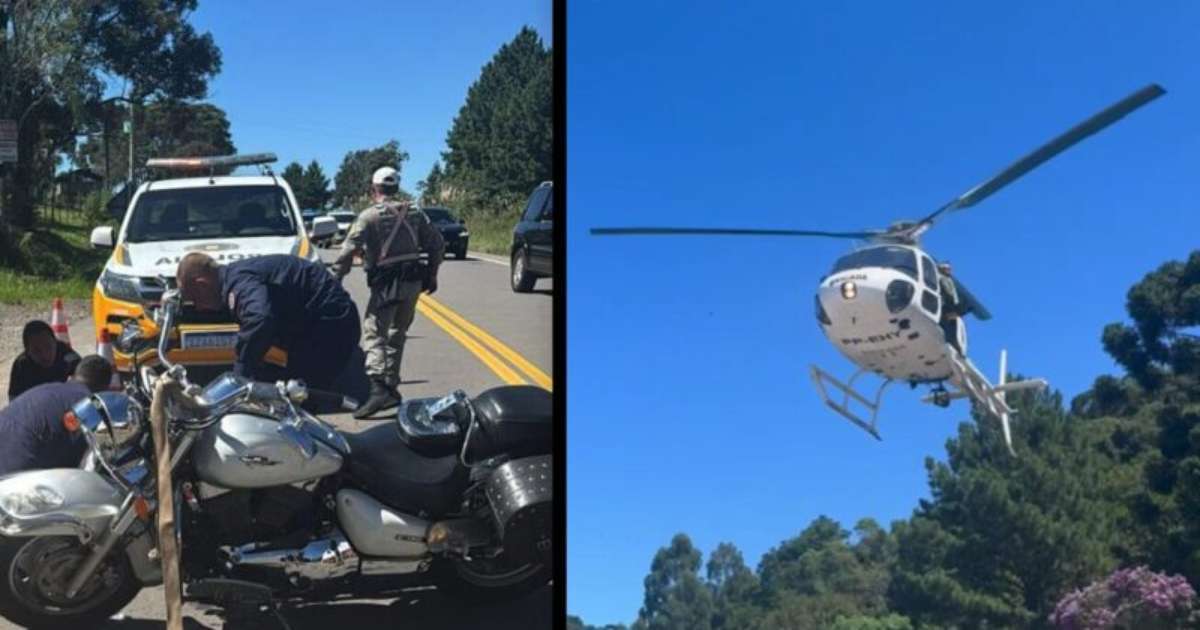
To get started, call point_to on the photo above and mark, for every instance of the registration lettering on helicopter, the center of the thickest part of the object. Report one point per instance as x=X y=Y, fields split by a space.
x=840 y=279
x=854 y=341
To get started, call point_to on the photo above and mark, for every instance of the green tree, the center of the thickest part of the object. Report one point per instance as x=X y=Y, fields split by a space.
x=734 y=587
x=166 y=128
x=352 y=184
x=315 y=186
x=1002 y=537
x=293 y=174
x=431 y=187
x=818 y=576
x=52 y=54
x=500 y=143
x=676 y=599
x=1155 y=414
x=863 y=622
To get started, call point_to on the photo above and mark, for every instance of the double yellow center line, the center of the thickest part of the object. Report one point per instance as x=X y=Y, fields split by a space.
x=491 y=351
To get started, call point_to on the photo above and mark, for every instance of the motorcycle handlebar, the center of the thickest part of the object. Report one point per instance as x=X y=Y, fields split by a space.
x=264 y=392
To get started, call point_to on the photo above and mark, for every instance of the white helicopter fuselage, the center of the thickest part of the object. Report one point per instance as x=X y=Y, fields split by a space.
x=898 y=339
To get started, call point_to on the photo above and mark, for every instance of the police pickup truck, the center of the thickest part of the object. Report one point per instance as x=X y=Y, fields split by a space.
x=228 y=217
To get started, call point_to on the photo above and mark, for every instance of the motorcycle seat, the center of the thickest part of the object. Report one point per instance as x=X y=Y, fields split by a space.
x=387 y=469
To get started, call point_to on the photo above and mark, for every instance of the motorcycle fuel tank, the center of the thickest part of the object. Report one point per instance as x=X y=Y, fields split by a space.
x=247 y=451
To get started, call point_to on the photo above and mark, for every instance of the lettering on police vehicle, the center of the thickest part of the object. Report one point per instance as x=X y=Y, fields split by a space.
x=167 y=260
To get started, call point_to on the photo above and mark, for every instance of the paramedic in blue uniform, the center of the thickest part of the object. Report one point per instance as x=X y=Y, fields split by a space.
x=32 y=434
x=280 y=300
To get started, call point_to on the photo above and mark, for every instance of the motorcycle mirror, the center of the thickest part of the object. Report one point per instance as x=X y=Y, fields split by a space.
x=131 y=334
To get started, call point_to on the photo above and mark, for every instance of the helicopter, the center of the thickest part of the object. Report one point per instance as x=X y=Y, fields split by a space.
x=895 y=312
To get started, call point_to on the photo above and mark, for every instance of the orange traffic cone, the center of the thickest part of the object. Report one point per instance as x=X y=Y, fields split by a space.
x=104 y=349
x=58 y=322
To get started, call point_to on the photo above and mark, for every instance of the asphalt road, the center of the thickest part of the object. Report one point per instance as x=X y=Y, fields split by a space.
x=474 y=334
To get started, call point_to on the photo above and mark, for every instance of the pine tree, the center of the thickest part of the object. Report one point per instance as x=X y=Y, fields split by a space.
x=500 y=144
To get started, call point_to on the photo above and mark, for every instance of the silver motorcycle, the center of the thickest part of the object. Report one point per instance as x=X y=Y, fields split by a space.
x=273 y=505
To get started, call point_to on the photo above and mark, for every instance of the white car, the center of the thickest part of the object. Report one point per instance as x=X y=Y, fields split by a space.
x=345 y=219
x=228 y=217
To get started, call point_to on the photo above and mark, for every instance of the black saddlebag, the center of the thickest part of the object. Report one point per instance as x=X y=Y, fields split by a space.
x=521 y=493
x=516 y=420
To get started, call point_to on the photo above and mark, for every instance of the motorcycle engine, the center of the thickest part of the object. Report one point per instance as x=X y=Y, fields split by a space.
x=276 y=515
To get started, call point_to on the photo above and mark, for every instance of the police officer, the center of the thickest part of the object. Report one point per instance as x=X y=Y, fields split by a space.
x=390 y=235
x=32 y=434
x=45 y=360
x=951 y=306
x=282 y=300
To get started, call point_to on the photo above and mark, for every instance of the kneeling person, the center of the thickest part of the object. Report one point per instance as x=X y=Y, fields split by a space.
x=278 y=299
x=32 y=434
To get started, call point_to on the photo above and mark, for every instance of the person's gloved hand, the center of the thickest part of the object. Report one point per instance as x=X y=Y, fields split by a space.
x=430 y=284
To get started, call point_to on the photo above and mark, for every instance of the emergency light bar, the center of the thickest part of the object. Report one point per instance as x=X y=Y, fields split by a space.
x=211 y=162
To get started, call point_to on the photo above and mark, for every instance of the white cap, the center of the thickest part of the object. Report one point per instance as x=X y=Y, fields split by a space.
x=385 y=176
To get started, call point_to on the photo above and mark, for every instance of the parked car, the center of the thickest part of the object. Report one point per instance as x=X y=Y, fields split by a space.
x=307 y=215
x=344 y=218
x=454 y=232
x=532 y=251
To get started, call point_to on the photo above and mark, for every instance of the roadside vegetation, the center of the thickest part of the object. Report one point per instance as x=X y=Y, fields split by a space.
x=1095 y=523
x=54 y=259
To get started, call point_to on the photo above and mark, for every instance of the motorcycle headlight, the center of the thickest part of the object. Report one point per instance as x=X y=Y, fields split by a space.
x=29 y=501
x=898 y=295
x=119 y=286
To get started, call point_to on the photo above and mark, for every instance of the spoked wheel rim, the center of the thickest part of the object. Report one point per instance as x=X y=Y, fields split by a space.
x=40 y=572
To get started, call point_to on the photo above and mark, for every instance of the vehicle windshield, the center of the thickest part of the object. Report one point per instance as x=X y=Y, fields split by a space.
x=210 y=212
x=439 y=215
x=900 y=258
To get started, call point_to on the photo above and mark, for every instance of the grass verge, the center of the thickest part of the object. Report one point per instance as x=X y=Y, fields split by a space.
x=52 y=260
x=491 y=234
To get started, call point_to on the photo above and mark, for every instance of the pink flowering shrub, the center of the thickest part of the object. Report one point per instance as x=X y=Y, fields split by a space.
x=1129 y=598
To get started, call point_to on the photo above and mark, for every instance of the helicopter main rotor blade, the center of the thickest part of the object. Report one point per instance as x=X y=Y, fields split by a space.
x=1063 y=142
x=648 y=231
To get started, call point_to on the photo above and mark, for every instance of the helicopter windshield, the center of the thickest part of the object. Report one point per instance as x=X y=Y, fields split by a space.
x=890 y=256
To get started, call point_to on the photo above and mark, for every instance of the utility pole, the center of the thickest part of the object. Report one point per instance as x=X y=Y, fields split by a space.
x=130 y=142
x=107 y=172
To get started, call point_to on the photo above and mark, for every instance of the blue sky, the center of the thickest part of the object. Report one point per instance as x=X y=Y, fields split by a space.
x=690 y=405
x=310 y=80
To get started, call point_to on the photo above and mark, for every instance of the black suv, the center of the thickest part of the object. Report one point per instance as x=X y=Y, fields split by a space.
x=532 y=252
x=454 y=232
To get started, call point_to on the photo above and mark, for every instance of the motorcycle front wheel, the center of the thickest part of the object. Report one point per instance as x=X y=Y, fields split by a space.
x=489 y=579
x=34 y=573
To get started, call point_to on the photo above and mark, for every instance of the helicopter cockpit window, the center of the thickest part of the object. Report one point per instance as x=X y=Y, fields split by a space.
x=930 y=273
x=899 y=258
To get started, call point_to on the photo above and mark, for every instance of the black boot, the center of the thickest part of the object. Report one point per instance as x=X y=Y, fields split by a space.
x=381 y=398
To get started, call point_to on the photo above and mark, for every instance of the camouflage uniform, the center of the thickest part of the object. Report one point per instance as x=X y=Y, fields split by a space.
x=385 y=327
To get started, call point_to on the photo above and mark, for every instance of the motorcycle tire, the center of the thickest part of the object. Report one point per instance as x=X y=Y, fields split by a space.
x=457 y=582
x=14 y=608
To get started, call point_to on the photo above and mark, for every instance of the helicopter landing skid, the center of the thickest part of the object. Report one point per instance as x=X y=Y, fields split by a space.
x=821 y=378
